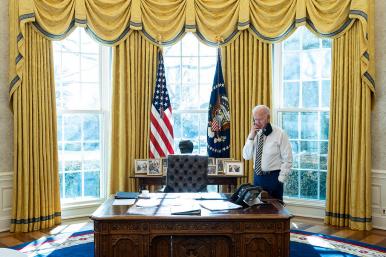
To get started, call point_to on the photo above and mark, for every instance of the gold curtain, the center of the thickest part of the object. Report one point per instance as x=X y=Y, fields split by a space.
x=247 y=68
x=36 y=179
x=348 y=199
x=134 y=69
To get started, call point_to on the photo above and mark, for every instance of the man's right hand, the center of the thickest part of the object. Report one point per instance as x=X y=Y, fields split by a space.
x=253 y=132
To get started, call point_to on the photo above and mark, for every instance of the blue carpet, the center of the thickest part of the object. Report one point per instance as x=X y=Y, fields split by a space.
x=303 y=244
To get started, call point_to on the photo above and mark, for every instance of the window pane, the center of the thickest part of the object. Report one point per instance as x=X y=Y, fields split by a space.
x=293 y=42
x=91 y=127
x=189 y=45
x=309 y=155
x=207 y=69
x=291 y=93
x=323 y=176
x=326 y=64
x=326 y=43
x=174 y=50
x=291 y=67
x=310 y=94
x=90 y=96
x=290 y=124
x=310 y=41
x=190 y=70
x=173 y=70
x=91 y=184
x=90 y=68
x=70 y=71
x=72 y=128
x=326 y=89
x=310 y=65
x=309 y=125
x=190 y=125
x=292 y=185
x=323 y=162
x=73 y=186
x=324 y=125
x=309 y=184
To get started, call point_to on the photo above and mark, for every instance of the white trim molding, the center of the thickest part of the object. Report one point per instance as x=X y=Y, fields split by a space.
x=6 y=185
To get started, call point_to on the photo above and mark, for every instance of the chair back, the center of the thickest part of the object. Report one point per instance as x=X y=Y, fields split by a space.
x=187 y=173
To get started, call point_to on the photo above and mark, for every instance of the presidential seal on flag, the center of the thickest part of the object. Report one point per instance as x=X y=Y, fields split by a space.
x=218 y=137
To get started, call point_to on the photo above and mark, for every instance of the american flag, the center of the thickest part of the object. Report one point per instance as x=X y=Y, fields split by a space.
x=161 y=121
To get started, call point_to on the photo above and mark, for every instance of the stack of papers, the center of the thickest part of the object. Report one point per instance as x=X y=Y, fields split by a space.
x=219 y=205
x=192 y=209
x=152 y=202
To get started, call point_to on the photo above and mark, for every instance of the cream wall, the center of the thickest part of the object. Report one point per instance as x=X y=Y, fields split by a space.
x=378 y=122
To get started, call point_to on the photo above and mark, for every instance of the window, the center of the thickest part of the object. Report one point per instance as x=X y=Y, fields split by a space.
x=82 y=76
x=190 y=67
x=302 y=78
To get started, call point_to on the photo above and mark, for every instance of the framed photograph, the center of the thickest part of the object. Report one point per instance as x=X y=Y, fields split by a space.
x=220 y=164
x=141 y=166
x=211 y=161
x=234 y=168
x=164 y=165
x=155 y=167
x=212 y=170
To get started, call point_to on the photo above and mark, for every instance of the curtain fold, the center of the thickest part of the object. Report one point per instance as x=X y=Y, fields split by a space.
x=247 y=68
x=348 y=199
x=36 y=180
x=134 y=73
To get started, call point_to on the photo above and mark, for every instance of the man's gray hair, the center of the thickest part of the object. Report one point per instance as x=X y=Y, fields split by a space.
x=261 y=107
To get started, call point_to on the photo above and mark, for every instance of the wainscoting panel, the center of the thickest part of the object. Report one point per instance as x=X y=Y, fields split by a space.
x=379 y=199
x=6 y=180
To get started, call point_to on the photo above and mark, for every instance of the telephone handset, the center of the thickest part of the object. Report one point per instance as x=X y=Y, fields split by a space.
x=247 y=195
x=267 y=129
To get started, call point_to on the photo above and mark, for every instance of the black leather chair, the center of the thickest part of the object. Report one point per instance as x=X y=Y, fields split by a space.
x=187 y=173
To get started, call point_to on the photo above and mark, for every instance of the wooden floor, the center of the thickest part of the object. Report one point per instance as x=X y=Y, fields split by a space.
x=375 y=237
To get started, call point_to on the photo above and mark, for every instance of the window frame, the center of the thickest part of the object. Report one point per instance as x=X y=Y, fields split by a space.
x=77 y=208
x=298 y=205
x=193 y=111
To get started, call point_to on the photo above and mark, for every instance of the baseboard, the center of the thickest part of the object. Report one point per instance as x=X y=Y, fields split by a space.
x=379 y=222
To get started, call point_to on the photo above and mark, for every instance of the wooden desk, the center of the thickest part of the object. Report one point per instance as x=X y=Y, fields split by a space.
x=147 y=180
x=256 y=231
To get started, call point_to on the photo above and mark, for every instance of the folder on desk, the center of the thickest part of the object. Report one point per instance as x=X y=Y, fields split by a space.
x=126 y=195
x=192 y=209
x=219 y=205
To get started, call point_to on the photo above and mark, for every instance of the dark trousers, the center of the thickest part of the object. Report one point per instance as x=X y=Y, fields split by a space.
x=270 y=183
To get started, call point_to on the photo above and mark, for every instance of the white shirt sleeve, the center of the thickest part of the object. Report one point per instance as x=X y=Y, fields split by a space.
x=286 y=156
x=248 y=149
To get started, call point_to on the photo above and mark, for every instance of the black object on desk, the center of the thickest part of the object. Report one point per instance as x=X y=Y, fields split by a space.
x=126 y=195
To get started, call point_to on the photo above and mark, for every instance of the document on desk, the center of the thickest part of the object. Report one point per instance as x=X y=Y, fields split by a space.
x=219 y=205
x=152 y=202
x=123 y=202
x=186 y=209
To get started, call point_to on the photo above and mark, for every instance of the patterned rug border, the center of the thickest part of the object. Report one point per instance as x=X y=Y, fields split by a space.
x=341 y=240
x=53 y=238
x=47 y=245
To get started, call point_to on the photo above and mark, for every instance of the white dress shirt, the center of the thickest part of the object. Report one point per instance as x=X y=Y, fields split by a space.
x=277 y=152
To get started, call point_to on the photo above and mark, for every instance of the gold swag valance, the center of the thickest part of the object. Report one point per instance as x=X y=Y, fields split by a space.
x=163 y=22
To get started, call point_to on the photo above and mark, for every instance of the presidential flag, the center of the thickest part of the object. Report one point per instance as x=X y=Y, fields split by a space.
x=161 y=122
x=218 y=117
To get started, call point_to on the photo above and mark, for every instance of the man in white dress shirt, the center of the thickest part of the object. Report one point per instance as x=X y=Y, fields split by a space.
x=271 y=151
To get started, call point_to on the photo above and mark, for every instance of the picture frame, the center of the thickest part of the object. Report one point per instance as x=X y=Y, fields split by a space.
x=234 y=168
x=141 y=166
x=220 y=164
x=164 y=166
x=211 y=161
x=212 y=170
x=155 y=167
